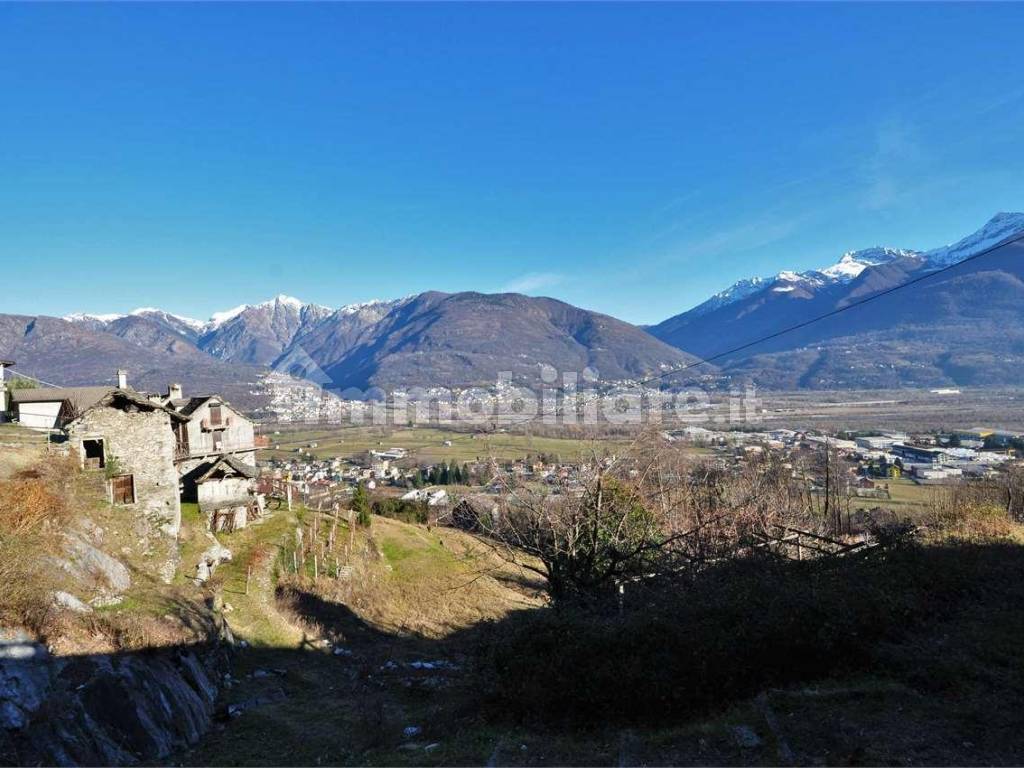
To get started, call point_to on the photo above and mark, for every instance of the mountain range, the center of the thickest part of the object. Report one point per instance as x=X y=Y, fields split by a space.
x=961 y=322
x=427 y=340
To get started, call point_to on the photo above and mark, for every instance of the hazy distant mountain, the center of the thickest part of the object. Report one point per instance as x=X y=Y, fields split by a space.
x=963 y=326
x=470 y=338
x=77 y=353
x=433 y=339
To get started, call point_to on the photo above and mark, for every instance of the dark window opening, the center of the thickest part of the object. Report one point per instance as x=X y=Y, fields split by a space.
x=93 y=454
x=181 y=439
x=215 y=415
x=122 y=489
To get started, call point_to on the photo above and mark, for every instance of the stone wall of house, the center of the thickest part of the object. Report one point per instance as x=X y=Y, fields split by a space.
x=225 y=489
x=142 y=444
x=188 y=471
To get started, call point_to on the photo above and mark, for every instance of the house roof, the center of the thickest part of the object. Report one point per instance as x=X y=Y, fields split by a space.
x=232 y=462
x=82 y=399
x=140 y=400
x=79 y=397
x=188 y=405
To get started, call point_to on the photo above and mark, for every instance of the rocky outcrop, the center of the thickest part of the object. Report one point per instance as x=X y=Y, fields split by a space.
x=216 y=554
x=117 y=709
x=86 y=562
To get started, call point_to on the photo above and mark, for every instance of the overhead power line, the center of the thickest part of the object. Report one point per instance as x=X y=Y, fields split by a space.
x=21 y=375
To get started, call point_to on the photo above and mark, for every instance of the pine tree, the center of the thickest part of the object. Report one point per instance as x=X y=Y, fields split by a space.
x=361 y=505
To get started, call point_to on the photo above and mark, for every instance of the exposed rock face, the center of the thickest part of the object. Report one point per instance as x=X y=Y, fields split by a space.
x=120 y=709
x=68 y=601
x=210 y=559
x=86 y=562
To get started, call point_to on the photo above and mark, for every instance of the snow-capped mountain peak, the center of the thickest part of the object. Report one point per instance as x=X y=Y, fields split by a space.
x=351 y=309
x=378 y=305
x=82 y=317
x=735 y=292
x=281 y=301
x=218 y=319
x=188 y=322
x=288 y=301
x=1000 y=227
x=853 y=263
x=789 y=277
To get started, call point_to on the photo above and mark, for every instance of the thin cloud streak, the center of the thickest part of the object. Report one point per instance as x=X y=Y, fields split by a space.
x=532 y=282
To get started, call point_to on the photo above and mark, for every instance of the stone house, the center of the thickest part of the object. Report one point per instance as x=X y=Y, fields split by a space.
x=226 y=492
x=131 y=440
x=215 y=456
x=156 y=450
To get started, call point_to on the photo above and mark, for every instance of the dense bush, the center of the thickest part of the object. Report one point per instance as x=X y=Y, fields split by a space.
x=401 y=509
x=733 y=632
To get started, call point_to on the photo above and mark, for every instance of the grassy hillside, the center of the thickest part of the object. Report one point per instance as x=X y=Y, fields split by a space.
x=910 y=657
x=404 y=644
x=55 y=525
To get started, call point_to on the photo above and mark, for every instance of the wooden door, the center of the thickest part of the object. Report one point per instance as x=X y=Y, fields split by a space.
x=122 y=489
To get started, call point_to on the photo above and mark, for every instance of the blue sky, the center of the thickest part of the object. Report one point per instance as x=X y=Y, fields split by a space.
x=627 y=158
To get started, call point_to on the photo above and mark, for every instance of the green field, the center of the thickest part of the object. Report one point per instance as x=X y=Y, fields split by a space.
x=426 y=445
x=906 y=496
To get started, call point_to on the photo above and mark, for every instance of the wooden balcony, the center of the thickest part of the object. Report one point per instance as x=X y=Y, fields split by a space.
x=209 y=426
x=199 y=451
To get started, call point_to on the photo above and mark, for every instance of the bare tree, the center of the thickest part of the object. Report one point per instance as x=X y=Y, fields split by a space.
x=654 y=512
x=1011 y=482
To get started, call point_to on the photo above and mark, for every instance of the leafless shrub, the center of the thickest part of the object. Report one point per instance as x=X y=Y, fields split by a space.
x=33 y=511
x=653 y=512
x=970 y=510
x=1011 y=483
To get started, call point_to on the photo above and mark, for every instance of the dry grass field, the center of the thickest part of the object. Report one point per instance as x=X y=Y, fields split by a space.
x=427 y=445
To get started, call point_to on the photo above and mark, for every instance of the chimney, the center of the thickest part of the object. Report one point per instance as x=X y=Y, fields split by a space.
x=122 y=378
x=174 y=392
x=4 y=404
